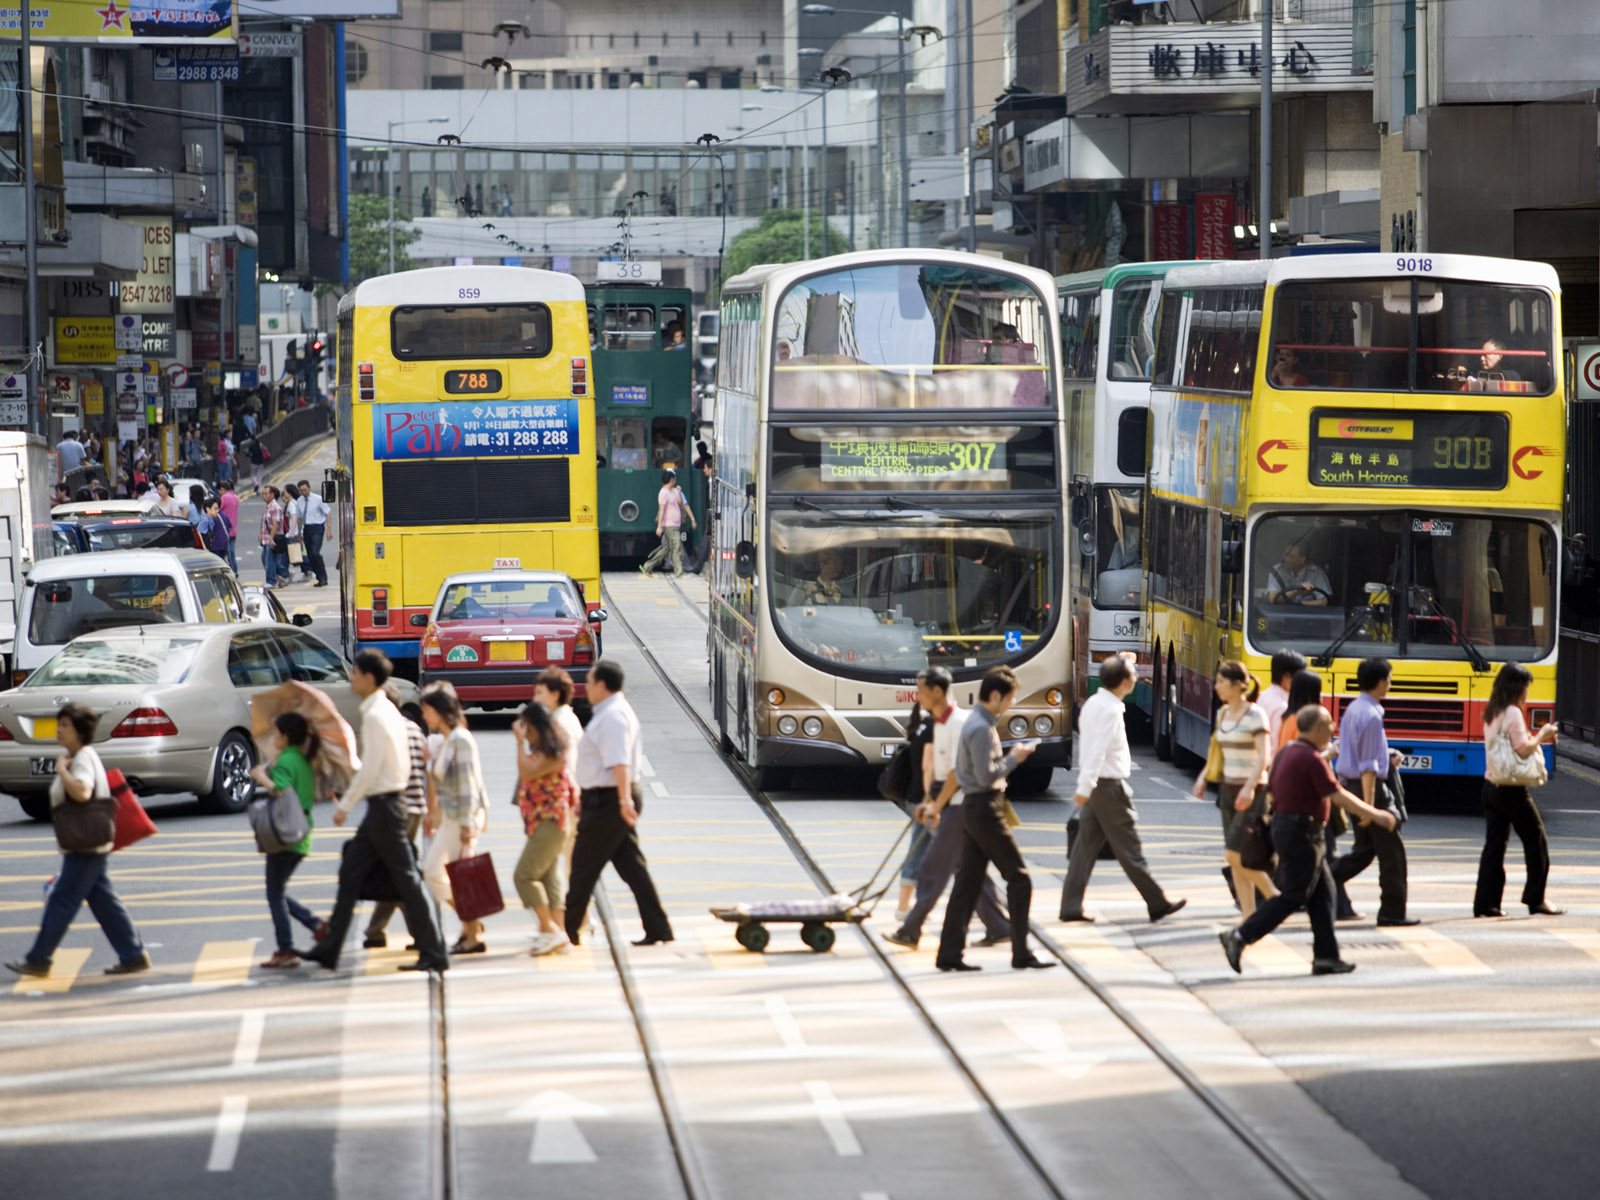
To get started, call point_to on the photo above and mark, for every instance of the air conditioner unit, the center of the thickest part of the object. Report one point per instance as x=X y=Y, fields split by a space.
x=194 y=158
x=654 y=60
x=763 y=60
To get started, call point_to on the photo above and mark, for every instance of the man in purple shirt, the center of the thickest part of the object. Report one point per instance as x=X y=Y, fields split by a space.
x=1367 y=767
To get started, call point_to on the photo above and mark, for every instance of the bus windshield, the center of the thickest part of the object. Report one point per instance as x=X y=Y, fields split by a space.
x=1408 y=582
x=912 y=336
x=890 y=596
x=1134 y=306
x=1424 y=335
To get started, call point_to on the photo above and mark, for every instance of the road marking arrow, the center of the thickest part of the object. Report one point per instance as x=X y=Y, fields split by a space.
x=556 y=1136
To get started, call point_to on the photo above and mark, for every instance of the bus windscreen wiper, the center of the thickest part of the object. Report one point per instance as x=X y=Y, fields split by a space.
x=1358 y=618
x=1474 y=655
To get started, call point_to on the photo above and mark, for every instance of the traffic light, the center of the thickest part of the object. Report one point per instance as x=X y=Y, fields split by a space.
x=314 y=348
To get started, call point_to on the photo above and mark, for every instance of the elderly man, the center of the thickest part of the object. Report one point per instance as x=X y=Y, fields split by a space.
x=1296 y=580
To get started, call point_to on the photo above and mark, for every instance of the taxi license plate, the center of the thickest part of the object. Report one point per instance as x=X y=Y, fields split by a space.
x=41 y=766
x=508 y=651
x=44 y=729
x=1417 y=762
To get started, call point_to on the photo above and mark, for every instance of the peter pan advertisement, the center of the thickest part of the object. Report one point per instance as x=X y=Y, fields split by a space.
x=138 y=21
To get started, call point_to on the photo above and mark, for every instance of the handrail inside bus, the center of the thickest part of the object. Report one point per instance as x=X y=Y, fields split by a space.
x=911 y=368
x=1406 y=349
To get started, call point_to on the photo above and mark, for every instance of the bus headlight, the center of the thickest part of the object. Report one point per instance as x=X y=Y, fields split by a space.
x=787 y=726
x=775 y=696
x=1043 y=725
x=1053 y=697
x=812 y=726
x=1018 y=726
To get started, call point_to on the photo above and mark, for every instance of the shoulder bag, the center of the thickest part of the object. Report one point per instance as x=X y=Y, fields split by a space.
x=1507 y=768
x=1214 y=758
x=133 y=823
x=82 y=827
x=278 y=821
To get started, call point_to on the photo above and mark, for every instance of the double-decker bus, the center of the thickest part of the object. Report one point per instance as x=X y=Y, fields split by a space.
x=643 y=380
x=888 y=496
x=1354 y=456
x=1108 y=342
x=465 y=439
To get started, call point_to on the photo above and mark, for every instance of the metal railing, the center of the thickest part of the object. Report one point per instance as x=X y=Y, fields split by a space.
x=1577 y=697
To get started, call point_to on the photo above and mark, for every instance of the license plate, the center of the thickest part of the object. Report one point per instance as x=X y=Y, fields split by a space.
x=508 y=651
x=44 y=729
x=1417 y=762
x=41 y=766
x=887 y=751
x=556 y=651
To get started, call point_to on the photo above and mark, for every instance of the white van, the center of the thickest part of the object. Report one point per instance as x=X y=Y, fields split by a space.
x=64 y=597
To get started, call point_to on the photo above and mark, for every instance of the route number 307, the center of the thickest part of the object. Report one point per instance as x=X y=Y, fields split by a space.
x=1413 y=264
x=468 y=293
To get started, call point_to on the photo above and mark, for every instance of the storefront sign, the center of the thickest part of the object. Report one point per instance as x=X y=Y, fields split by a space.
x=269 y=45
x=1213 y=225
x=195 y=64
x=138 y=22
x=151 y=290
x=464 y=429
x=160 y=336
x=1169 y=232
x=85 y=340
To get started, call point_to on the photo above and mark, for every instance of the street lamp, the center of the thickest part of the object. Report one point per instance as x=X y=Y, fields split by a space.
x=388 y=171
x=828 y=10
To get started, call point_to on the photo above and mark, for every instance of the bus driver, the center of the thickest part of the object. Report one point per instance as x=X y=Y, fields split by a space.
x=1296 y=580
x=826 y=587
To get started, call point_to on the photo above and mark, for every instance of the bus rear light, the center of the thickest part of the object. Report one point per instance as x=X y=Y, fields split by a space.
x=365 y=377
x=380 y=606
x=580 y=377
x=145 y=722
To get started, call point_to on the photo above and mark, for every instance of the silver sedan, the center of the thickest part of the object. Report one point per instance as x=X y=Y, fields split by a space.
x=174 y=705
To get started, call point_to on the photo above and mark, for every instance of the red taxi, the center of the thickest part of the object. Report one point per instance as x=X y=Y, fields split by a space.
x=491 y=632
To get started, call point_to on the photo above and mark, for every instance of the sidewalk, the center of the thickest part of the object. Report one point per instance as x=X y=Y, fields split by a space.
x=306 y=460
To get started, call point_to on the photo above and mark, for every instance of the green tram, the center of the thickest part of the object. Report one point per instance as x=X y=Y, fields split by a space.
x=642 y=343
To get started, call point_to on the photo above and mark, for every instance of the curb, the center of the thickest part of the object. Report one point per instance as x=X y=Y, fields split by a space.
x=301 y=450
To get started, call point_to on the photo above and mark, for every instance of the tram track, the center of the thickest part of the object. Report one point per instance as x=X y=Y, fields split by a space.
x=1296 y=1184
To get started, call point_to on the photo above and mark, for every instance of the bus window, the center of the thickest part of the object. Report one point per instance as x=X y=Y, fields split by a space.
x=1133 y=425
x=1133 y=328
x=666 y=442
x=630 y=327
x=602 y=440
x=1080 y=333
x=628 y=447
x=593 y=325
x=674 y=333
x=491 y=330
x=1119 y=573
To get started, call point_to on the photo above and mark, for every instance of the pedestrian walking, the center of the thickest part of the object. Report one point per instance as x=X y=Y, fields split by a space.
x=1303 y=789
x=1307 y=689
x=297 y=745
x=386 y=767
x=167 y=504
x=256 y=453
x=1367 y=767
x=919 y=748
x=672 y=507
x=1286 y=664
x=941 y=811
x=230 y=513
x=274 y=542
x=1105 y=799
x=1240 y=731
x=608 y=774
x=294 y=513
x=419 y=798
x=80 y=778
x=546 y=797
x=314 y=526
x=196 y=509
x=981 y=767
x=702 y=548
x=458 y=804
x=225 y=455
x=1514 y=765
x=214 y=530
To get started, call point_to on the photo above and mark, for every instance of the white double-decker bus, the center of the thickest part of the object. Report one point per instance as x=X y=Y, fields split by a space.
x=888 y=496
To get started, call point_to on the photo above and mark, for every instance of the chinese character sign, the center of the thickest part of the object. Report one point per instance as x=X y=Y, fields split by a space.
x=465 y=429
x=128 y=21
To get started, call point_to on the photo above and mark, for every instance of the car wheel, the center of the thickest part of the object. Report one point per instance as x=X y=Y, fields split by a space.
x=231 y=786
x=37 y=807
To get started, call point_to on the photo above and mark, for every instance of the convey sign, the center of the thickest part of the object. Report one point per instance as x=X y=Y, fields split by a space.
x=269 y=45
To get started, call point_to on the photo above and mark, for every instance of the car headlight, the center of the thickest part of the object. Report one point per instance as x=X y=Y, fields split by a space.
x=1018 y=726
x=787 y=726
x=1042 y=724
x=812 y=726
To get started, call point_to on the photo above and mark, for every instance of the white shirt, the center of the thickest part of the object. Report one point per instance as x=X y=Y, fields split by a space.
x=1102 y=741
x=313 y=510
x=1274 y=702
x=572 y=729
x=946 y=735
x=385 y=752
x=612 y=739
x=294 y=514
x=72 y=454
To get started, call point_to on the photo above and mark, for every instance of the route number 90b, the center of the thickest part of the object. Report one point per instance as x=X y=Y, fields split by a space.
x=468 y=293
x=1413 y=264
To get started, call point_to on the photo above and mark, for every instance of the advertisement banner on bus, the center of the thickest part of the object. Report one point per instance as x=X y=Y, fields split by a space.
x=463 y=429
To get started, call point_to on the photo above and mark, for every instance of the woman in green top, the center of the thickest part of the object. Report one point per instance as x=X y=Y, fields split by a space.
x=297 y=746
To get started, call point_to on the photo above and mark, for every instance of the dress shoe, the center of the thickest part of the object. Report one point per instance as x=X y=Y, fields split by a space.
x=652 y=941
x=958 y=965
x=130 y=966
x=992 y=939
x=896 y=938
x=1544 y=910
x=465 y=947
x=373 y=941
x=1488 y=912
x=1331 y=966
x=315 y=955
x=322 y=932
x=1167 y=911
x=423 y=964
x=1086 y=918
x=1398 y=922
x=1350 y=914
x=1232 y=948
x=1032 y=963
x=31 y=970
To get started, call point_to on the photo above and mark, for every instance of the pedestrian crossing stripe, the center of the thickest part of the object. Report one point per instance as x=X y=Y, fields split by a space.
x=1273 y=954
x=1443 y=954
x=1093 y=948
x=1586 y=940
x=386 y=960
x=224 y=962
x=579 y=960
x=64 y=968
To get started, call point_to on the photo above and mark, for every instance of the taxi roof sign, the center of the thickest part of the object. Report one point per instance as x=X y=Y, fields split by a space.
x=508 y=564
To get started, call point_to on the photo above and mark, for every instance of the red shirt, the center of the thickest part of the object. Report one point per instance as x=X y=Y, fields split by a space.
x=1301 y=782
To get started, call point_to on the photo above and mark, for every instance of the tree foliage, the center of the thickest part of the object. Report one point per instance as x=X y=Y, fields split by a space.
x=780 y=237
x=369 y=237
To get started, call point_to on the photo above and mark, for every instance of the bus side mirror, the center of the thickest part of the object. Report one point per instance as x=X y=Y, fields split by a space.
x=744 y=560
x=1232 y=557
x=330 y=491
x=750 y=491
x=419 y=619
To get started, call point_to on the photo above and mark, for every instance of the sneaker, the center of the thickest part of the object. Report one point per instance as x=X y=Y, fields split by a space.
x=283 y=960
x=896 y=938
x=900 y=914
x=549 y=943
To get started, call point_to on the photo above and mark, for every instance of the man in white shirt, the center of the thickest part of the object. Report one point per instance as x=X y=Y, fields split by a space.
x=943 y=792
x=1286 y=664
x=1104 y=799
x=608 y=772
x=71 y=452
x=314 y=525
x=381 y=840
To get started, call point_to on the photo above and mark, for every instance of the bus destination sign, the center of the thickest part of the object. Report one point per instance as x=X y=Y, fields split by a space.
x=474 y=429
x=1409 y=450
x=912 y=460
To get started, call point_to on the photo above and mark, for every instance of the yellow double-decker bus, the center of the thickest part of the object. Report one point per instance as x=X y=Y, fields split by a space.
x=1358 y=455
x=465 y=439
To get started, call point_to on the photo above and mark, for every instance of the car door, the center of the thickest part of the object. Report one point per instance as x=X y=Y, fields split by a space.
x=313 y=663
x=256 y=663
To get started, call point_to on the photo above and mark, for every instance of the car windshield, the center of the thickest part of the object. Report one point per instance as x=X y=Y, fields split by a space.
x=870 y=597
x=148 y=659
x=1405 y=582
x=912 y=336
x=64 y=608
x=505 y=599
x=141 y=535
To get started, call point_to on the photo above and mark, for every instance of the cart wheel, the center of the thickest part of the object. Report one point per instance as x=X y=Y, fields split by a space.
x=753 y=937
x=817 y=935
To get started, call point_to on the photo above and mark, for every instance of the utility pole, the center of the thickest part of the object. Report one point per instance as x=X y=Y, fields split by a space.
x=30 y=218
x=1264 y=217
x=972 y=148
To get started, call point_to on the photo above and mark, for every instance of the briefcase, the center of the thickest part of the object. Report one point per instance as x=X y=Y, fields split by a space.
x=475 y=888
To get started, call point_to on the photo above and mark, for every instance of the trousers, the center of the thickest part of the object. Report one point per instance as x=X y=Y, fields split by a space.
x=1108 y=819
x=1304 y=881
x=939 y=863
x=81 y=880
x=604 y=837
x=280 y=904
x=986 y=840
x=1505 y=809
x=383 y=910
x=538 y=874
x=381 y=839
x=1371 y=842
x=313 y=539
x=671 y=544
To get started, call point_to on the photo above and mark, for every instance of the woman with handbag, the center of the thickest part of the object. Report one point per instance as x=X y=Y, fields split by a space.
x=297 y=746
x=1237 y=763
x=458 y=809
x=1514 y=765
x=85 y=819
x=1304 y=689
x=547 y=797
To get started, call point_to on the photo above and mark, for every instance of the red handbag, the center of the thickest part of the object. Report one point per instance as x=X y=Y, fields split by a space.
x=133 y=823
x=475 y=888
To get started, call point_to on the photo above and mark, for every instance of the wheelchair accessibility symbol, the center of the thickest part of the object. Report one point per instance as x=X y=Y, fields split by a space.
x=1013 y=641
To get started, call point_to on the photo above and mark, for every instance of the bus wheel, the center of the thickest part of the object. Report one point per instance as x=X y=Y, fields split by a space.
x=1162 y=715
x=1030 y=779
x=772 y=779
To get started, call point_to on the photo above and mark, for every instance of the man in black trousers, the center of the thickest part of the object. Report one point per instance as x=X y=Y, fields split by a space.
x=608 y=772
